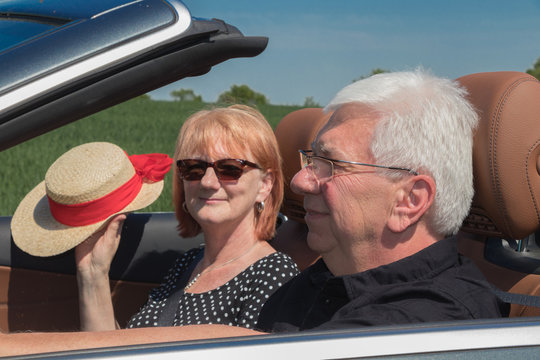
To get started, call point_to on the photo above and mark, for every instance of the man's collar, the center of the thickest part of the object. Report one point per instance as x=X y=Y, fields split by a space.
x=425 y=263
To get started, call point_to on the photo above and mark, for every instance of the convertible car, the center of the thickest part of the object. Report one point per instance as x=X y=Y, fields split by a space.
x=133 y=47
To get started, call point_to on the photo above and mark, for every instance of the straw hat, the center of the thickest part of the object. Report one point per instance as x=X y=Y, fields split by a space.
x=82 y=189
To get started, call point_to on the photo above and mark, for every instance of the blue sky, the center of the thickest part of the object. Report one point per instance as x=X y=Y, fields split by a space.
x=317 y=47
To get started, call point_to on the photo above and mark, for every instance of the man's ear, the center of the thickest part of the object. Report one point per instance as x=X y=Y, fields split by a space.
x=414 y=197
x=267 y=183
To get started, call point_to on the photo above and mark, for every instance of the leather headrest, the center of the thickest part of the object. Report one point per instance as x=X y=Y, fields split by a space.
x=506 y=154
x=296 y=131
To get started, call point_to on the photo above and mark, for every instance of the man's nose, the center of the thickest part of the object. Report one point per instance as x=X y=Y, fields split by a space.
x=304 y=182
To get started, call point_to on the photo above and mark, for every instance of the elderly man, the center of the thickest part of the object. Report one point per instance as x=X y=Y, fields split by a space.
x=387 y=183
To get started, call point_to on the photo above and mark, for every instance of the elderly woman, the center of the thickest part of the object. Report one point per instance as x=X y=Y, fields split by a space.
x=228 y=184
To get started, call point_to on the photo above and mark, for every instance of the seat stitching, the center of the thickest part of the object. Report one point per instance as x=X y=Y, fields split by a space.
x=493 y=150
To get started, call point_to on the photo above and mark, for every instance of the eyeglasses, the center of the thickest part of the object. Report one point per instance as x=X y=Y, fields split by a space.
x=323 y=167
x=225 y=169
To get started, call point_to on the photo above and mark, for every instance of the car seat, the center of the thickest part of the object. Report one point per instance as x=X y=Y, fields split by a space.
x=499 y=233
x=296 y=131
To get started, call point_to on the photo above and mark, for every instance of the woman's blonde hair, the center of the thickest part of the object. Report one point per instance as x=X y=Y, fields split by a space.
x=240 y=130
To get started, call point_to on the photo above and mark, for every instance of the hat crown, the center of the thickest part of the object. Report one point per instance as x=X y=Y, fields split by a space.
x=88 y=172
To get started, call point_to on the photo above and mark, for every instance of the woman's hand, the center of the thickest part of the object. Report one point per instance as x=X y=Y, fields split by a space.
x=93 y=258
x=94 y=255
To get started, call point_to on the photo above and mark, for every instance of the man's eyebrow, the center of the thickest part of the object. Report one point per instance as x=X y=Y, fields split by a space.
x=319 y=148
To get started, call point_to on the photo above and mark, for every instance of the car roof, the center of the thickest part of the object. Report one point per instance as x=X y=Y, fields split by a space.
x=61 y=8
x=63 y=37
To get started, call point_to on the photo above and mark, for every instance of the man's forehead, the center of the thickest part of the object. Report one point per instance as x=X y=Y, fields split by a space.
x=357 y=120
x=351 y=111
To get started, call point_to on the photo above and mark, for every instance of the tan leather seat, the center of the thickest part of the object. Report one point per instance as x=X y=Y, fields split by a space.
x=296 y=131
x=506 y=160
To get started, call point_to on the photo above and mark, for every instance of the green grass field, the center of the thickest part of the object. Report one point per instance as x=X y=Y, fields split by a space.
x=138 y=126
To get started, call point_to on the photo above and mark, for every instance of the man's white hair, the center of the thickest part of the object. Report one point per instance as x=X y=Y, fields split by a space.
x=425 y=124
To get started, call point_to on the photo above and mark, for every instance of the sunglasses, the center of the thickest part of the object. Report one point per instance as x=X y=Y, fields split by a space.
x=225 y=169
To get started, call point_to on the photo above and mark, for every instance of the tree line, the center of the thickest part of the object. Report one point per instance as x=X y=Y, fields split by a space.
x=243 y=94
x=237 y=94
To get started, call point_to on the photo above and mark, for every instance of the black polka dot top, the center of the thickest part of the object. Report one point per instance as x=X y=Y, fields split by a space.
x=237 y=302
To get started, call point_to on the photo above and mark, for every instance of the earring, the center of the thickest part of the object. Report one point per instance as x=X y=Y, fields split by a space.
x=185 y=207
x=260 y=206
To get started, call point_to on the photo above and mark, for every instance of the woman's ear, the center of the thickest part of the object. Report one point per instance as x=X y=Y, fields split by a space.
x=266 y=185
x=413 y=199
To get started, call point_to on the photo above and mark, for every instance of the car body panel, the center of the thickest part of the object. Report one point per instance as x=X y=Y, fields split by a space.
x=77 y=48
x=75 y=40
x=461 y=340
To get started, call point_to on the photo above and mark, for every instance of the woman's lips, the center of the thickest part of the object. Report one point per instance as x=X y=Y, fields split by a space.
x=211 y=200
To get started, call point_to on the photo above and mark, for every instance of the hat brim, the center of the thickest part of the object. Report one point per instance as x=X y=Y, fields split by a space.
x=36 y=231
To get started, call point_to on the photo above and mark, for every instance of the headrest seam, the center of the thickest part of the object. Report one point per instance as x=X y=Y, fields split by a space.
x=528 y=178
x=493 y=153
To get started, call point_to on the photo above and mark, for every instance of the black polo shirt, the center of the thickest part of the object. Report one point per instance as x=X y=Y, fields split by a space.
x=435 y=284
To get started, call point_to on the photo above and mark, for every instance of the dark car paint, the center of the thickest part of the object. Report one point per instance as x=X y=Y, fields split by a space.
x=78 y=38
